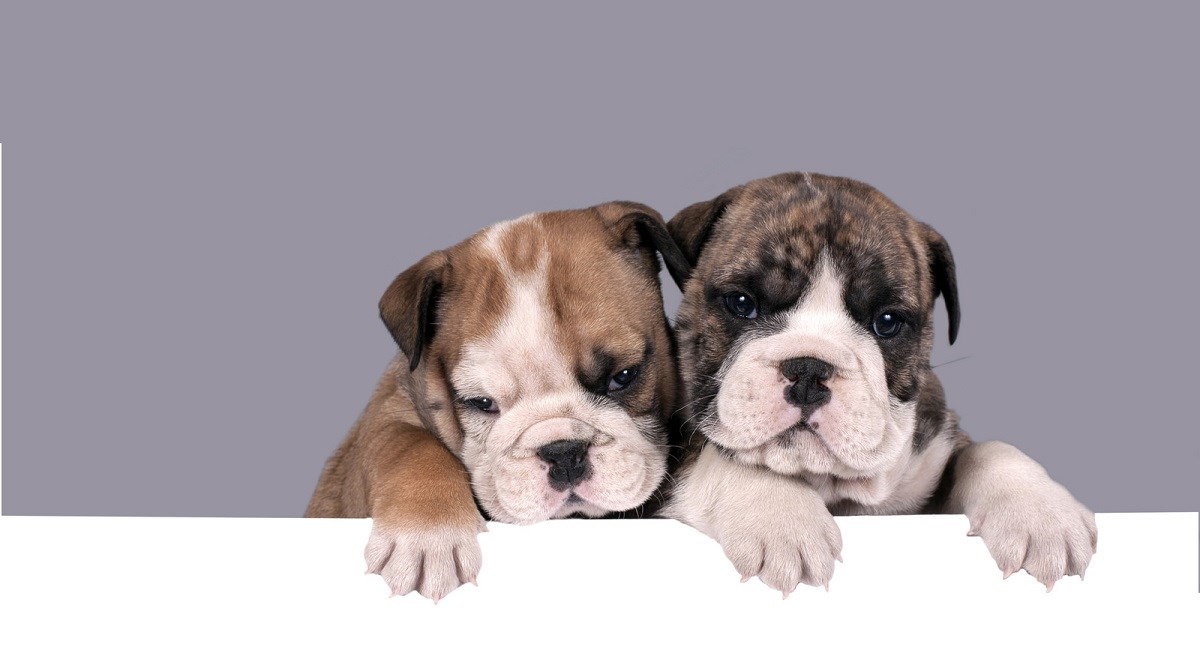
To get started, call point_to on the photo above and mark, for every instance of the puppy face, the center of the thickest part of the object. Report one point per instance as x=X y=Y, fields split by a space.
x=540 y=354
x=806 y=326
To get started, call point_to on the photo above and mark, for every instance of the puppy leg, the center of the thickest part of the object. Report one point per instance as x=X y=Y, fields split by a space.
x=424 y=536
x=1027 y=520
x=769 y=525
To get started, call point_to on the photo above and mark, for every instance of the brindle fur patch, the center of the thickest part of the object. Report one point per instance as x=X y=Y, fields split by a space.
x=765 y=237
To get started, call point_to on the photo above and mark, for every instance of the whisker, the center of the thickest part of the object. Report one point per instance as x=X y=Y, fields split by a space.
x=697 y=415
x=946 y=363
x=688 y=404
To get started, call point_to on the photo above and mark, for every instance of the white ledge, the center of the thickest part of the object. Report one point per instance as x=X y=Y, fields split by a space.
x=916 y=580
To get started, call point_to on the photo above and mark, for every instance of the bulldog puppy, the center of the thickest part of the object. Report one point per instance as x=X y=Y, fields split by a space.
x=535 y=374
x=804 y=336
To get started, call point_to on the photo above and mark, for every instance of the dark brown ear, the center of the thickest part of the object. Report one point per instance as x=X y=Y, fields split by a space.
x=409 y=305
x=692 y=226
x=640 y=226
x=945 y=281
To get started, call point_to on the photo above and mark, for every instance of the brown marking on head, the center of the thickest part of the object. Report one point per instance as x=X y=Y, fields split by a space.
x=602 y=270
x=520 y=245
x=602 y=285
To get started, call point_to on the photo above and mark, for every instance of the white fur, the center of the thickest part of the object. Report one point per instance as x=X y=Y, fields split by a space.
x=494 y=234
x=1026 y=519
x=859 y=459
x=901 y=489
x=432 y=561
x=771 y=526
x=540 y=401
x=858 y=434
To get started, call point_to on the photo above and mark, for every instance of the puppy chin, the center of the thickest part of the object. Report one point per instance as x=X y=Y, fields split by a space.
x=807 y=452
x=862 y=445
x=591 y=499
x=830 y=444
x=577 y=506
x=797 y=452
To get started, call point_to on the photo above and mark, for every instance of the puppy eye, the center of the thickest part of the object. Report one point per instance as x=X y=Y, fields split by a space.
x=741 y=305
x=484 y=404
x=622 y=379
x=887 y=325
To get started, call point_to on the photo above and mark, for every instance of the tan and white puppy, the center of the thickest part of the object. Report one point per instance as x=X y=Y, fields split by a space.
x=535 y=375
x=804 y=335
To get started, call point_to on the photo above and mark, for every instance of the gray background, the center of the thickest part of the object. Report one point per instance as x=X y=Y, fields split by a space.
x=203 y=205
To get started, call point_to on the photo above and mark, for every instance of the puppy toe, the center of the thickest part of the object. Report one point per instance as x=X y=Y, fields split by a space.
x=819 y=562
x=440 y=574
x=1008 y=550
x=833 y=537
x=975 y=524
x=403 y=572
x=1079 y=554
x=1089 y=521
x=818 y=572
x=468 y=559
x=1047 y=560
x=782 y=571
x=746 y=556
x=377 y=553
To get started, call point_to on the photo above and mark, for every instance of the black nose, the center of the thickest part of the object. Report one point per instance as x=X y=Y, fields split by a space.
x=568 y=463
x=808 y=390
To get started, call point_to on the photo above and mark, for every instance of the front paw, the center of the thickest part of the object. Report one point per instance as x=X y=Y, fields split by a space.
x=785 y=539
x=432 y=560
x=1044 y=531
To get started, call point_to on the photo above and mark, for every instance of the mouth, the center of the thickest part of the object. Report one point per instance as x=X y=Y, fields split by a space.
x=797 y=428
x=787 y=438
x=577 y=507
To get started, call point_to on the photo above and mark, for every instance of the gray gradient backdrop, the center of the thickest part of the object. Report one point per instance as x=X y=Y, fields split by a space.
x=203 y=205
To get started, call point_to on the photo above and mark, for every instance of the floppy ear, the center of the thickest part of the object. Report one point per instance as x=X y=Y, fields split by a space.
x=409 y=305
x=640 y=226
x=692 y=226
x=945 y=281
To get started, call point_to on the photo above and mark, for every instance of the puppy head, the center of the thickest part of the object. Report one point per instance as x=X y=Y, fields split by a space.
x=807 y=323
x=539 y=353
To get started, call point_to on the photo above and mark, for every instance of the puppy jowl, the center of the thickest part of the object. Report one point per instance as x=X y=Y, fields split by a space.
x=804 y=337
x=526 y=383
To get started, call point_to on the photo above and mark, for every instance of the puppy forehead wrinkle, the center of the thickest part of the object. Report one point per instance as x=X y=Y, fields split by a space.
x=516 y=357
x=518 y=245
x=496 y=233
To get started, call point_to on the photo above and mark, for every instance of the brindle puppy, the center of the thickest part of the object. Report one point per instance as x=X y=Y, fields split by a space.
x=805 y=333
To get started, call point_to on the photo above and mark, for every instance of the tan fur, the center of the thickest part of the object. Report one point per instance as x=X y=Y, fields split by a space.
x=592 y=277
x=390 y=466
